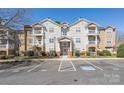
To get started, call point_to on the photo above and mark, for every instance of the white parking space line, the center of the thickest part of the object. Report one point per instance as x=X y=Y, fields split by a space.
x=34 y=67
x=60 y=66
x=115 y=64
x=18 y=69
x=95 y=65
x=67 y=69
x=1 y=71
x=73 y=66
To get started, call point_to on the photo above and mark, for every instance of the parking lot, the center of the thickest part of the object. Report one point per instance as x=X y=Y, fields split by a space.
x=63 y=72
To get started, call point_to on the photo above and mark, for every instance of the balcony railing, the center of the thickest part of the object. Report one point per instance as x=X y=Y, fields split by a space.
x=92 y=42
x=5 y=46
x=38 y=43
x=38 y=32
x=92 y=32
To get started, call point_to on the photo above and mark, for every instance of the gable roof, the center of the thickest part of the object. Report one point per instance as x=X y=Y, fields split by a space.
x=50 y=20
x=66 y=38
x=79 y=20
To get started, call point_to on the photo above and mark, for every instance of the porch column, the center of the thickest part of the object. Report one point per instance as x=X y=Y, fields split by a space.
x=96 y=40
x=58 y=49
x=70 y=50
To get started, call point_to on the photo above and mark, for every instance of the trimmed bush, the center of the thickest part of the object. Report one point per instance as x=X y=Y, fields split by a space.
x=120 y=51
x=10 y=56
x=88 y=53
x=82 y=53
x=77 y=53
x=106 y=53
x=30 y=53
x=52 y=54
x=43 y=53
x=6 y=57
x=2 y=56
x=100 y=53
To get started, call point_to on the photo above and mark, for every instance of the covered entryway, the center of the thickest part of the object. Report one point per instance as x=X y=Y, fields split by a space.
x=65 y=46
x=92 y=51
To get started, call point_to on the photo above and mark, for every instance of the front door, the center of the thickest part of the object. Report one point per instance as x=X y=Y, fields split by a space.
x=65 y=51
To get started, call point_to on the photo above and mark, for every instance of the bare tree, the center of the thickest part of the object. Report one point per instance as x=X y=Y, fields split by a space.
x=15 y=18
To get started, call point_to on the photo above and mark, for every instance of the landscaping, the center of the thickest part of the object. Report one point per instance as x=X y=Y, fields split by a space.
x=77 y=54
x=120 y=51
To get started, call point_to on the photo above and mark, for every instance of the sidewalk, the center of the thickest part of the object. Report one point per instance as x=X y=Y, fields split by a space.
x=83 y=59
x=9 y=60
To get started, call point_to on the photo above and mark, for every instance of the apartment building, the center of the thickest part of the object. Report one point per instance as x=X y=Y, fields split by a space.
x=64 y=38
x=7 y=40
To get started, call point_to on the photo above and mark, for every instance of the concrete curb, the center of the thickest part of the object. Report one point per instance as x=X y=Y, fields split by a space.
x=54 y=59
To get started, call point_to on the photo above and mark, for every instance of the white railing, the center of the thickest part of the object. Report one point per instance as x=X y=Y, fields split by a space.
x=92 y=42
x=4 y=46
x=38 y=43
x=37 y=32
x=92 y=32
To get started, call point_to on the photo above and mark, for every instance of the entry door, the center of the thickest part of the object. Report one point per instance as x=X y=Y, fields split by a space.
x=65 y=51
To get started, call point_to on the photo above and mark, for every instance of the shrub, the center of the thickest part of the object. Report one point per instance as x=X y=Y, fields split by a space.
x=43 y=53
x=52 y=53
x=88 y=53
x=106 y=53
x=10 y=56
x=100 y=53
x=77 y=53
x=83 y=53
x=120 y=51
x=2 y=56
x=6 y=57
x=30 y=53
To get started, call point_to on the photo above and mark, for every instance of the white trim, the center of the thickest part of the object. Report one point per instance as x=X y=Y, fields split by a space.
x=73 y=66
x=60 y=66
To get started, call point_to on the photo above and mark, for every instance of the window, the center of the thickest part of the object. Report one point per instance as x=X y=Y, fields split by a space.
x=37 y=28
x=51 y=40
x=78 y=40
x=64 y=32
x=51 y=29
x=30 y=41
x=29 y=31
x=40 y=42
x=78 y=29
x=109 y=31
x=37 y=31
x=51 y=49
x=108 y=42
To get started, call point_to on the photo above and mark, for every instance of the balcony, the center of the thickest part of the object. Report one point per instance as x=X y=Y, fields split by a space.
x=38 y=43
x=5 y=46
x=38 y=33
x=92 y=42
x=92 y=32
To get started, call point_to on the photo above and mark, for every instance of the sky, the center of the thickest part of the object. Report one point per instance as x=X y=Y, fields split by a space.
x=102 y=16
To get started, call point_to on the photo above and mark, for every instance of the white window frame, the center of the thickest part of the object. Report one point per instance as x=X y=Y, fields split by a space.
x=78 y=40
x=78 y=29
x=51 y=29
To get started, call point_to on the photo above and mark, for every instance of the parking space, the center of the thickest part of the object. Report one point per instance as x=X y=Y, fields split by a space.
x=65 y=72
x=65 y=65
